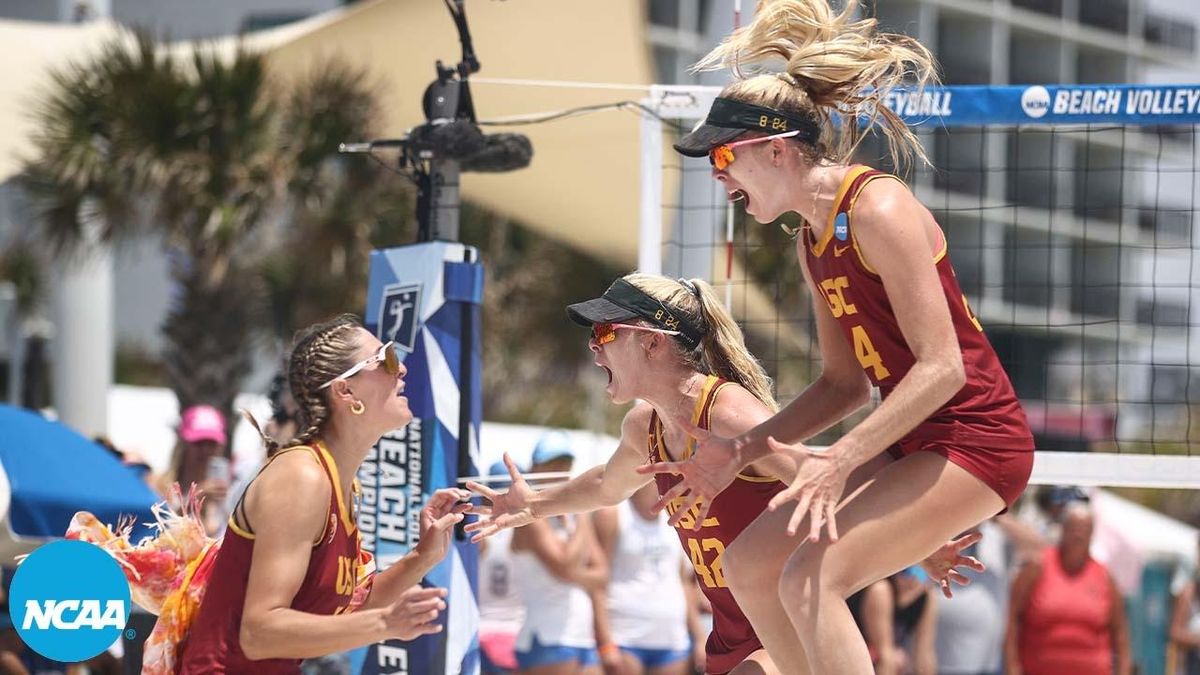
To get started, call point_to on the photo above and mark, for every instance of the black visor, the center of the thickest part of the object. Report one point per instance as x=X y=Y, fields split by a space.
x=624 y=301
x=727 y=119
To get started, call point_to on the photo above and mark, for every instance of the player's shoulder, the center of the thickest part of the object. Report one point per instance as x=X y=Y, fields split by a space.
x=736 y=410
x=296 y=471
x=637 y=420
x=881 y=196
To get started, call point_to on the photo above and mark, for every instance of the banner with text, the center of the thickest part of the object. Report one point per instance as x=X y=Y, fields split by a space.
x=1048 y=104
x=426 y=298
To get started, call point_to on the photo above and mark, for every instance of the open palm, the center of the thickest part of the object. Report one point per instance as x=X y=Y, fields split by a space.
x=512 y=508
x=703 y=476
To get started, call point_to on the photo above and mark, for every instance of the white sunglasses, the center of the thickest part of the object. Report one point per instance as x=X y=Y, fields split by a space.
x=386 y=353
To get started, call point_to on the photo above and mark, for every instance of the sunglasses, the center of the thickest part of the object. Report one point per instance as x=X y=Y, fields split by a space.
x=604 y=333
x=722 y=155
x=386 y=353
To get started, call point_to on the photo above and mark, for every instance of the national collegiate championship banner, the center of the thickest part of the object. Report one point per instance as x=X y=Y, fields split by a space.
x=971 y=105
x=426 y=298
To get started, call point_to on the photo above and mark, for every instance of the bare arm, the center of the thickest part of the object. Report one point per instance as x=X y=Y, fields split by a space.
x=737 y=411
x=924 y=638
x=592 y=573
x=606 y=485
x=1119 y=626
x=438 y=519
x=893 y=233
x=606 y=528
x=1025 y=538
x=596 y=488
x=288 y=505
x=841 y=388
x=1022 y=588
x=562 y=558
x=1180 y=634
x=878 y=609
x=691 y=592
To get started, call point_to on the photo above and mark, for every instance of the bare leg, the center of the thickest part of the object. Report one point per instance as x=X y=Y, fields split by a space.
x=758 y=663
x=560 y=668
x=681 y=667
x=912 y=508
x=757 y=556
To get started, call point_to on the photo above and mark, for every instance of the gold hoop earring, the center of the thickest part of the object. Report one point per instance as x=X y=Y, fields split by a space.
x=358 y=408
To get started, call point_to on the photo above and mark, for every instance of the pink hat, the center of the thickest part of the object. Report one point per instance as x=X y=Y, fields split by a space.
x=202 y=423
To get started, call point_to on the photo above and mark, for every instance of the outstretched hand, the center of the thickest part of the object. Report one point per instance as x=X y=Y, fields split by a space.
x=942 y=565
x=442 y=512
x=710 y=469
x=512 y=508
x=818 y=485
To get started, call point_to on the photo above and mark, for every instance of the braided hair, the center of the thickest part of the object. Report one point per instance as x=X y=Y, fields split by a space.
x=319 y=353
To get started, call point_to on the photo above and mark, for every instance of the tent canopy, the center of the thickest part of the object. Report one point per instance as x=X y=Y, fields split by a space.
x=53 y=472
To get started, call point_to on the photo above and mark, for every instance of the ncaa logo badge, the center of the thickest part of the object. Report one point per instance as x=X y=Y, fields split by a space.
x=69 y=601
x=841 y=226
x=398 y=315
x=1035 y=101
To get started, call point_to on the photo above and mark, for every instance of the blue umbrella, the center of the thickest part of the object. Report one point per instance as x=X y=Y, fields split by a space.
x=54 y=471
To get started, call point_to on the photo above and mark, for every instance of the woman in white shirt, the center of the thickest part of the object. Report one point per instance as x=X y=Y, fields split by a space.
x=652 y=604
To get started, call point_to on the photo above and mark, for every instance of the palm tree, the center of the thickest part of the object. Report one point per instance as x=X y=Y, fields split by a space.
x=339 y=207
x=200 y=152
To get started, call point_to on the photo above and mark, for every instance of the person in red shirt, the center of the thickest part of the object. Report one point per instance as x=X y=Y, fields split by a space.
x=1066 y=614
x=672 y=346
x=288 y=582
x=949 y=445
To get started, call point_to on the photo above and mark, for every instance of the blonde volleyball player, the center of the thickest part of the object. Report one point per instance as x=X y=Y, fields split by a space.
x=672 y=346
x=949 y=446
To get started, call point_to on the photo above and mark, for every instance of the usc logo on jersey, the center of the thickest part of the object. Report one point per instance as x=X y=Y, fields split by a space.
x=688 y=521
x=347 y=577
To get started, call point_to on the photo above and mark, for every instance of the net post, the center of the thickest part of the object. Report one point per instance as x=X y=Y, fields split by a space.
x=650 y=222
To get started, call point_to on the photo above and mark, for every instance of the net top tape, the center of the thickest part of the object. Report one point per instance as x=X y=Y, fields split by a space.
x=971 y=105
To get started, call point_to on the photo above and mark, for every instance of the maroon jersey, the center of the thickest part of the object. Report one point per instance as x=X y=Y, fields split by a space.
x=985 y=412
x=213 y=644
x=732 y=638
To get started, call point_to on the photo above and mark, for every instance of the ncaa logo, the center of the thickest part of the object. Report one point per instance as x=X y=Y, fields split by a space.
x=841 y=226
x=69 y=601
x=398 y=315
x=1035 y=101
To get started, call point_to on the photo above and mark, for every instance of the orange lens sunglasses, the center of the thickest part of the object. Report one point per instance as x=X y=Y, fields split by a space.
x=604 y=333
x=722 y=155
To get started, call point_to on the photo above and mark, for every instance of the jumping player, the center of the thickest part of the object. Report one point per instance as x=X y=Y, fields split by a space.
x=673 y=346
x=949 y=446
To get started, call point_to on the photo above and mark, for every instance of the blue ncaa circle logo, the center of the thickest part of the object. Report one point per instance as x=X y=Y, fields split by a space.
x=69 y=601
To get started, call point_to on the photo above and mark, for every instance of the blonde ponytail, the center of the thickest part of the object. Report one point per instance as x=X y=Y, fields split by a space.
x=722 y=349
x=838 y=70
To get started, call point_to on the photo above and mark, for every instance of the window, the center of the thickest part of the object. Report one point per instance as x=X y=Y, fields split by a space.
x=1172 y=33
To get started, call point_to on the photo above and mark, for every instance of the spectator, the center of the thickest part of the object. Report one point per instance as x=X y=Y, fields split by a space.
x=556 y=564
x=647 y=562
x=1065 y=612
x=1185 y=624
x=970 y=627
x=501 y=611
x=898 y=619
x=201 y=457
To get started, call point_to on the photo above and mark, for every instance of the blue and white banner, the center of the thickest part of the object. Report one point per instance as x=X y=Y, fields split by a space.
x=427 y=298
x=1048 y=105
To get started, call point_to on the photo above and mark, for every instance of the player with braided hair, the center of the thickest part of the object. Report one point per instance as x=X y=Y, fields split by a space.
x=290 y=581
